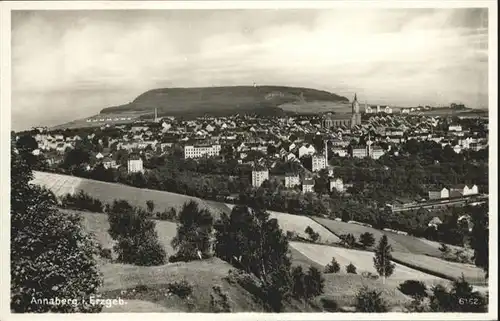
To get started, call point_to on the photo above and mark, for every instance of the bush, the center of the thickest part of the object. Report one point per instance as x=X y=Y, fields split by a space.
x=329 y=305
x=314 y=236
x=180 y=288
x=461 y=298
x=82 y=201
x=219 y=301
x=370 y=301
x=106 y=254
x=170 y=215
x=348 y=240
x=351 y=268
x=413 y=288
x=333 y=267
x=50 y=253
x=367 y=239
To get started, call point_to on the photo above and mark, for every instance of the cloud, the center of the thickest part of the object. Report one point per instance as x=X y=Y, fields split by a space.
x=87 y=60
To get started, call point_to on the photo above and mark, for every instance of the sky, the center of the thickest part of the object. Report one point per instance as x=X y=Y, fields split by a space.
x=71 y=64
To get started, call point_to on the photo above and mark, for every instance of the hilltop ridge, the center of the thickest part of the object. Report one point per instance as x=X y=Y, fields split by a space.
x=223 y=100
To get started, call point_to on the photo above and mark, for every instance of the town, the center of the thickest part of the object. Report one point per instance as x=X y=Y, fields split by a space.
x=301 y=154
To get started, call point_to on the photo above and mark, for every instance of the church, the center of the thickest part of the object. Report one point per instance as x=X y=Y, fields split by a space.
x=338 y=120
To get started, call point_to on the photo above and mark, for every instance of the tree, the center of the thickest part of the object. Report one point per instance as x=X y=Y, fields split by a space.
x=332 y=267
x=351 y=268
x=249 y=240
x=298 y=286
x=314 y=283
x=150 y=205
x=480 y=237
x=370 y=301
x=135 y=235
x=367 y=239
x=314 y=236
x=348 y=240
x=193 y=232
x=383 y=257
x=51 y=255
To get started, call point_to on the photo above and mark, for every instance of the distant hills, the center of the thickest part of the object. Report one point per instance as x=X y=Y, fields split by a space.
x=219 y=101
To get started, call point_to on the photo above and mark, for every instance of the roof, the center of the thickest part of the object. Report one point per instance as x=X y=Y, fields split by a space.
x=436 y=220
x=308 y=182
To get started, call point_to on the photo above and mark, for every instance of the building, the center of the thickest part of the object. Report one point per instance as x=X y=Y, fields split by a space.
x=308 y=186
x=135 y=165
x=337 y=184
x=318 y=162
x=359 y=152
x=291 y=180
x=338 y=120
x=306 y=150
x=455 y=128
x=439 y=194
x=435 y=222
x=369 y=110
x=388 y=110
x=108 y=162
x=355 y=114
x=197 y=151
x=376 y=152
x=463 y=190
x=259 y=176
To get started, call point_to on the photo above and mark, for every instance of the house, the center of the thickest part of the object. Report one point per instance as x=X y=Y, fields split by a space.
x=435 y=222
x=369 y=110
x=455 y=128
x=318 y=162
x=388 y=110
x=135 y=164
x=457 y=149
x=290 y=156
x=99 y=156
x=359 y=152
x=197 y=151
x=308 y=185
x=462 y=190
x=259 y=176
x=439 y=194
x=337 y=184
x=341 y=152
x=291 y=180
x=376 y=152
x=306 y=150
x=108 y=162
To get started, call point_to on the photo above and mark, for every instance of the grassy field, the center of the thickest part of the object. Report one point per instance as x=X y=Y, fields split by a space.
x=399 y=243
x=363 y=260
x=98 y=225
x=107 y=192
x=298 y=224
x=450 y=270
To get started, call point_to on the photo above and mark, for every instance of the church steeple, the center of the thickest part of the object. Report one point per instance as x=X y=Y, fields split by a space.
x=355 y=97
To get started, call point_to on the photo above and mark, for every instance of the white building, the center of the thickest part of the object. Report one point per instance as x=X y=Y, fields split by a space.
x=135 y=165
x=455 y=128
x=291 y=180
x=259 y=176
x=318 y=162
x=308 y=186
x=388 y=110
x=443 y=193
x=306 y=150
x=369 y=110
x=337 y=184
x=197 y=151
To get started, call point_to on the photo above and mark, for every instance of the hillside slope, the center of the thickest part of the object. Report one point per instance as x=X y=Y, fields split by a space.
x=222 y=100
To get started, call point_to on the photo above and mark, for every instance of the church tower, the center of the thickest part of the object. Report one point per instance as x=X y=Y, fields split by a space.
x=356 y=116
